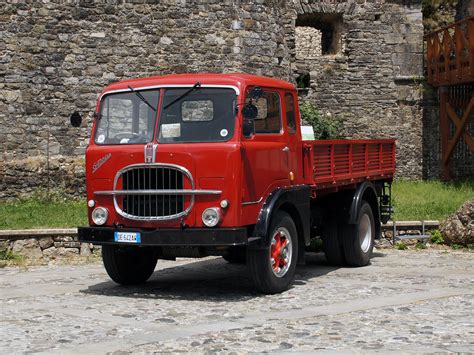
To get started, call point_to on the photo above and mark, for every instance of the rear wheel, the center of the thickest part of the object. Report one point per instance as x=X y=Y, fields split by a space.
x=358 y=239
x=273 y=268
x=332 y=245
x=128 y=265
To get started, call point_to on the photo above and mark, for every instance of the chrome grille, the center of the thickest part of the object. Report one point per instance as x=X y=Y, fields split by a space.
x=144 y=200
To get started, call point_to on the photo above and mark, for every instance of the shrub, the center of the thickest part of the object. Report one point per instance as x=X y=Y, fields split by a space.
x=325 y=127
x=456 y=246
x=420 y=245
x=436 y=237
x=9 y=255
x=400 y=246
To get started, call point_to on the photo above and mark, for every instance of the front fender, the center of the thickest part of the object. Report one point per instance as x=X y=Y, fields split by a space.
x=295 y=200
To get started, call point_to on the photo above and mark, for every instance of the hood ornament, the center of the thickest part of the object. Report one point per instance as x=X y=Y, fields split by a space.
x=150 y=152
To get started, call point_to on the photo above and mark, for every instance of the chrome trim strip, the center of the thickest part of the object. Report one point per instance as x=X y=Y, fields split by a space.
x=157 y=192
x=252 y=202
x=235 y=88
x=156 y=218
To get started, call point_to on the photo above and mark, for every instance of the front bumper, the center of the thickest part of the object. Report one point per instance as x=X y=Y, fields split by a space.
x=168 y=237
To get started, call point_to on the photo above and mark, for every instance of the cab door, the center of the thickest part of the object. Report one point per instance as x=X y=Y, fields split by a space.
x=294 y=151
x=266 y=154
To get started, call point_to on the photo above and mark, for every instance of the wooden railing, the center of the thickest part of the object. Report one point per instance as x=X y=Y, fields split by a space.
x=449 y=56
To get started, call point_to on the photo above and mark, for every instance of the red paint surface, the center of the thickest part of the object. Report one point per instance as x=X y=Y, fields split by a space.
x=245 y=169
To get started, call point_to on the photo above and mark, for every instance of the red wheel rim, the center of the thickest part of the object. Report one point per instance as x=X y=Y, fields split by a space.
x=281 y=252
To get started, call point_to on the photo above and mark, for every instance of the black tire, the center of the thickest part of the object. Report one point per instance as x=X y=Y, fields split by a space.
x=358 y=248
x=236 y=255
x=128 y=265
x=332 y=244
x=259 y=260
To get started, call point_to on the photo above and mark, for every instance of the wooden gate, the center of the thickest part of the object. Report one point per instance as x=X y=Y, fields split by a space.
x=450 y=67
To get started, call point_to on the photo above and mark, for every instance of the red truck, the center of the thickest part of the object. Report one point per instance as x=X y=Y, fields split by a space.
x=214 y=164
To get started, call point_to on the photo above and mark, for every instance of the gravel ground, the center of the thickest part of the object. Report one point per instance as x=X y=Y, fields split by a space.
x=406 y=301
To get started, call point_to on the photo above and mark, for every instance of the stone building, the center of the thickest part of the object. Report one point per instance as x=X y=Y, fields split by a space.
x=361 y=61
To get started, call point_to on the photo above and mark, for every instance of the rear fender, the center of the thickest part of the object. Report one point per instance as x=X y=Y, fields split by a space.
x=365 y=192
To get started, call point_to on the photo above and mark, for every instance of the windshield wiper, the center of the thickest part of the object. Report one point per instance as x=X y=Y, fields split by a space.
x=195 y=87
x=141 y=97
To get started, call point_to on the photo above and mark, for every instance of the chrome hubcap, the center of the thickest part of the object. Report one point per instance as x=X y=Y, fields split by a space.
x=365 y=233
x=281 y=252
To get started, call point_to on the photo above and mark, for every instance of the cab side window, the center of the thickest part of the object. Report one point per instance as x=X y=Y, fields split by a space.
x=290 y=113
x=268 y=119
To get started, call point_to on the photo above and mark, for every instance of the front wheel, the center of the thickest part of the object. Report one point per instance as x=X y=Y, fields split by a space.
x=273 y=268
x=128 y=265
x=358 y=239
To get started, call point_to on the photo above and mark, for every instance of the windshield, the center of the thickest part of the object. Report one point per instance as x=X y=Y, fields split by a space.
x=126 y=118
x=202 y=115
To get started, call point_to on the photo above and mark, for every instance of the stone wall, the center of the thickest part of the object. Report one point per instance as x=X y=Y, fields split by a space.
x=46 y=248
x=371 y=82
x=56 y=56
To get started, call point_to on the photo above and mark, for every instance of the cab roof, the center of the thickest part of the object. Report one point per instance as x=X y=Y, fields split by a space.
x=237 y=80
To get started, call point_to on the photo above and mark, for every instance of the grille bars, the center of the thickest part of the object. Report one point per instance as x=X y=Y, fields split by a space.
x=154 y=192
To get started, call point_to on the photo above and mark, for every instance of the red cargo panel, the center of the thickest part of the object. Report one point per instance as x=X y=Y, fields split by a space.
x=340 y=162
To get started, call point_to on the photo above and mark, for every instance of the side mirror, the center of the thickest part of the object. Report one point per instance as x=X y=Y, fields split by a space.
x=76 y=119
x=248 y=128
x=250 y=111
x=256 y=93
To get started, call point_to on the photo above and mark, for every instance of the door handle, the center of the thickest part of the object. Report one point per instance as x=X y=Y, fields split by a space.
x=286 y=149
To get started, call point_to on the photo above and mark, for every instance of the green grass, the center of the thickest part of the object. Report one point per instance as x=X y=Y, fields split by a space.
x=413 y=200
x=35 y=213
x=400 y=246
x=7 y=255
x=428 y=200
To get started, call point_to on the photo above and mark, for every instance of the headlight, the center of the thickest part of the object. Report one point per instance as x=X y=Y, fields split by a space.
x=211 y=216
x=100 y=215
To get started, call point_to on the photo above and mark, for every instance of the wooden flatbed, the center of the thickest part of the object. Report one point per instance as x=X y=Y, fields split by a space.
x=335 y=163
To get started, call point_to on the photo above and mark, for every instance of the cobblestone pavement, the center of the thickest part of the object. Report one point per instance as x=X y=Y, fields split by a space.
x=409 y=301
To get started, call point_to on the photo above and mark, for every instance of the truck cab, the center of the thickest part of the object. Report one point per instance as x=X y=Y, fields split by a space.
x=199 y=164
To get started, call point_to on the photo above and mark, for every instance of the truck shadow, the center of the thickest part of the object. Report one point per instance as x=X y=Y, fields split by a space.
x=211 y=280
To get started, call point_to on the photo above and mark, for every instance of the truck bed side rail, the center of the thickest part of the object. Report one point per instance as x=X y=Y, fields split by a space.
x=339 y=162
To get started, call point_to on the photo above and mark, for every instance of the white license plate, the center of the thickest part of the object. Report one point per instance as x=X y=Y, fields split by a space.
x=127 y=237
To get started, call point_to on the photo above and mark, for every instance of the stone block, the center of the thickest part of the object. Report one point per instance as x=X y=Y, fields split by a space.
x=67 y=244
x=66 y=238
x=50 y=253
x=27 y=247
x=46 y=243
x=85 y=249
x=5 y=246
x=53 y=252
x=458 y=228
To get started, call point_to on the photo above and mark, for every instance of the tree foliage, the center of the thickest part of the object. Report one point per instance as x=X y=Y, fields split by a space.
x=438 y=13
